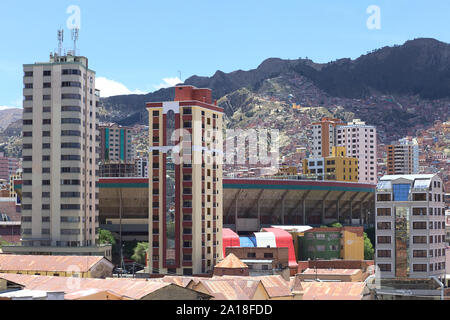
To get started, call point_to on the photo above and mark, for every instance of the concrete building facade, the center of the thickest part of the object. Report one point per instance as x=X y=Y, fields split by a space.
x=116 y=143
x=403 y=157
x=185 y=183
x=336 y=167
x=410 y=226
x=59 y=192
x=360 y=141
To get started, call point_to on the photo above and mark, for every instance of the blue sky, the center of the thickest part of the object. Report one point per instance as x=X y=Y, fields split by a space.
x=134 y=45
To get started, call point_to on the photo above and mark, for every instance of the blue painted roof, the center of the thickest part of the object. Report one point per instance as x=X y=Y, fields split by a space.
x=246 y=242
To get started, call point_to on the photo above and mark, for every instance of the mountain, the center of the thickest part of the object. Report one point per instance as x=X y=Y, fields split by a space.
x=400 y=89
x=8 y=116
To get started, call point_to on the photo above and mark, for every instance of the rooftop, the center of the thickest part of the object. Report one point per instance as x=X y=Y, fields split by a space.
x=231 y=262
x=10 y=262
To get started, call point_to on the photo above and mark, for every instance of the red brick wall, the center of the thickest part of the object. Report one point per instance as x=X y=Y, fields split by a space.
x=191 y=93
x=231 y=272
x=335 y=264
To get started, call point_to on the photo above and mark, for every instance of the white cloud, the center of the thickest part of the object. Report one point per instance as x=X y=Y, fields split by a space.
x=110 y=88
x=168 y=82
x=8 y=107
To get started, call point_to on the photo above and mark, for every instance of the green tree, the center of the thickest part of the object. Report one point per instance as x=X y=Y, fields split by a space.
x=4 y=243
x=139 y=252
x=336 y=225
x=106 y=237
x=368 y=248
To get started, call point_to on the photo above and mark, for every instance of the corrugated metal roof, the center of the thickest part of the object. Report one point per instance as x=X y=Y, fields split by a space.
x=134 y=289
x=275 y=285
x=333 y=290
x=87 y=293
x=224 y=290
x=231 y=262
x=48 y=263
x=346 y=272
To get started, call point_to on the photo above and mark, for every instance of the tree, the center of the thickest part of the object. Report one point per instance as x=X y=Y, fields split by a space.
x=106 y=237
x=368 y=248
x=336 y=225
x=4 y=243
x=139 y=252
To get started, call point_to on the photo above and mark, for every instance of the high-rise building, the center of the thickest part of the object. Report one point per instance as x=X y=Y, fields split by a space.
x=410 y=226
x=116 y=143
x=324 y=137
x=185 y=183
x=60 y=195
x=360 y=141
x=403 y=157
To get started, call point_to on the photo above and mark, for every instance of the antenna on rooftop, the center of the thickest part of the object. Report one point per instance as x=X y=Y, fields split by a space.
x=60 y=41
x=75 y=37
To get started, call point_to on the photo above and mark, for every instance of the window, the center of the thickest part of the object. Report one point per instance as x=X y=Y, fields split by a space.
x=70 y=145
x=419 y=239
x=401 y=192
x=71 y=120
x=71 y=158
x=71 y=71
x=420 y=253
x=73 y=96
x=419 y=225
x=251 y=255
x=384 y=212
x=268 y=255
x=419 y=211
x=419 y=267
x=71 y=84
x=71 y=108
x=384 y=253
x=383 y=239
x=70 y=207
x=384 y=226
x=70 y=133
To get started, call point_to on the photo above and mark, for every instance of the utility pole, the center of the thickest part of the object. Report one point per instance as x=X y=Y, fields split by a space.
x=122 y=265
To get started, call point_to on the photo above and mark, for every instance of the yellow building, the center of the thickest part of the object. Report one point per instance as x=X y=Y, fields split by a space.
x=12 y=180
x=337 y=167
x=287 y=171
x=352 y=243
x=344 y=168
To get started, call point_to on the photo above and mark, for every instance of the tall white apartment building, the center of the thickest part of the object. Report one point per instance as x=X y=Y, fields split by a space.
x=60 y=160
x=360 y=141
x=410 y=226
